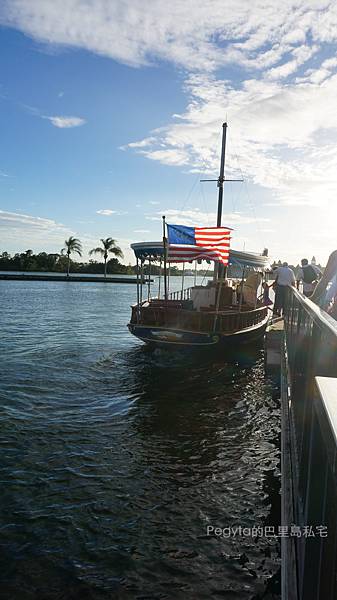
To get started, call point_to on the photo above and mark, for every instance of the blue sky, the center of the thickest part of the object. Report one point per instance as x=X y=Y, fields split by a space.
x=111 y=112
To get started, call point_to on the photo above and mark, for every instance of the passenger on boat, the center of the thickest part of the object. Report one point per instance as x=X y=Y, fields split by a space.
x=266 y=301
x=238 y=291
x=250 y=288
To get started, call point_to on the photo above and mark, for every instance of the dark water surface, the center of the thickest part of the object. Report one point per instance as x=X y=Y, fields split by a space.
x=115 y=460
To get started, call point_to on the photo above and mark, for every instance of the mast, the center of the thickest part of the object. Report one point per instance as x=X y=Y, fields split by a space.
x=219 y=269
x=222 y=173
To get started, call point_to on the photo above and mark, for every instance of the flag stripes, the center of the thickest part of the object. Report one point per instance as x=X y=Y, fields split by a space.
x=211 y=243
x=184 y=253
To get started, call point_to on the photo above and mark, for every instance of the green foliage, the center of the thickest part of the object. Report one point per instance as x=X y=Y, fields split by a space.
x=72 y=245
x=27 y=261
x=57 y=263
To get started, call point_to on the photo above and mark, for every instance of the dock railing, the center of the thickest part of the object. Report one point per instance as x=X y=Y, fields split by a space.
x=309 y=452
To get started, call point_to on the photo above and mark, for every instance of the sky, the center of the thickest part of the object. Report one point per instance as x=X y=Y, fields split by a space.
x=112 y=112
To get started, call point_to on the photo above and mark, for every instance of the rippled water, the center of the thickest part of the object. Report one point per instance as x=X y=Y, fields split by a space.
x=114 y=460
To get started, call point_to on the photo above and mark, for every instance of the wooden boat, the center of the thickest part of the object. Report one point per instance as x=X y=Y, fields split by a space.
x=191 y=317
x=202 y=316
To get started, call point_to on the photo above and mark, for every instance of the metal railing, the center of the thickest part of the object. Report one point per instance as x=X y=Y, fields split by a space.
x=309 y=452
x=181 y=294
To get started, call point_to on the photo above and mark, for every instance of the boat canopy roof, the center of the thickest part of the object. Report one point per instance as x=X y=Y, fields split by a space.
x=155 y=251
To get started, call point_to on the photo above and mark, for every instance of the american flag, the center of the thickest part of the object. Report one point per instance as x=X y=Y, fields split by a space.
x=198 y=243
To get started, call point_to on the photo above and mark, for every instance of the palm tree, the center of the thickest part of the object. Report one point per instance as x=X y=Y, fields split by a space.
x=71 y=245
x=109 y=247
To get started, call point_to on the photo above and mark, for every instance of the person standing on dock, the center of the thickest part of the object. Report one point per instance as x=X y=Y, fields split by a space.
x=309 y=275
x=284 y=277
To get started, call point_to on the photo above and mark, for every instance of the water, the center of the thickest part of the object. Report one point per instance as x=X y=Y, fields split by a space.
x=115 y=460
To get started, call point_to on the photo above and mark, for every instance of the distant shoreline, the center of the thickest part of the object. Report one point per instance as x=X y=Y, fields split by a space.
x=24 y=276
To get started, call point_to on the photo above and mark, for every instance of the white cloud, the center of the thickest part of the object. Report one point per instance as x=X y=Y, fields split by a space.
x=21 y=231
x=265 y=117
x=65 y=122
x=192 y=34
x=107 y=212
x=143 y=143
x=330 y=63
x=16 y=219
x=300 y=56
x=278 y=135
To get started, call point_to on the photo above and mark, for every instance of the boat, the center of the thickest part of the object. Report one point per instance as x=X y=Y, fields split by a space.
x=224 y=313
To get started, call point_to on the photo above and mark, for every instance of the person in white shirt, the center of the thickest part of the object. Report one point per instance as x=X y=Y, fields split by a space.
x=284 y=277
x=309 y=275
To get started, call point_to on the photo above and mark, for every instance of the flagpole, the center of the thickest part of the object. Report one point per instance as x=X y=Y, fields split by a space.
x=138 y=307
x=149 y=281
x=165 y=259
x=241 y=287
x=141 y=279
x=182 y=282
x=159 y=284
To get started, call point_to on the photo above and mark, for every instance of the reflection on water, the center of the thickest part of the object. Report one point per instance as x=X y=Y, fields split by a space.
x=116 y=459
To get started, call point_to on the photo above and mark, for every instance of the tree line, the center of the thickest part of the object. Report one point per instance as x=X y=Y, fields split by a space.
x=61 y=262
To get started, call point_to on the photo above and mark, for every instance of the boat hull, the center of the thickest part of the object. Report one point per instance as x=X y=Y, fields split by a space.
x=164 y=337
